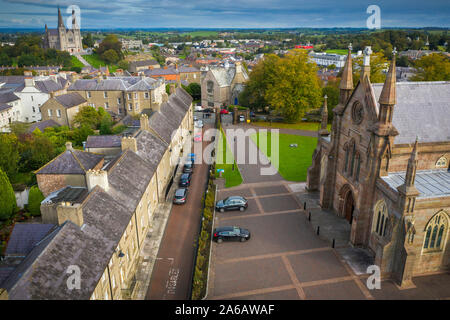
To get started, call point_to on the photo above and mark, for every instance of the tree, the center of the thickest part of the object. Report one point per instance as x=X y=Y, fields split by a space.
x=87 y=116
x=195 y=90
x=88 y=41
x=8 y=203
x=9 y=159
x=433 y=67
x=123 y=64
x=110 y=56
x=34 y=201
x=110 y=42
x=378 y=63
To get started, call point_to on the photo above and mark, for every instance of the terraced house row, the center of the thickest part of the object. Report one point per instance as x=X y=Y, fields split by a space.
x=97 y=212
x=121 y=95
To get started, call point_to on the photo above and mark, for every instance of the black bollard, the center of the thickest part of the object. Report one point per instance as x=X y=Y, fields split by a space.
x=304 y=206
x=332 y=245
x=309 y=216
x=318 y=230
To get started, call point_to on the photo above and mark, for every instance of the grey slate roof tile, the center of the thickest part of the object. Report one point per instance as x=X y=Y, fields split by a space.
x=422 y=109
x=70 y=100
x=71 y=162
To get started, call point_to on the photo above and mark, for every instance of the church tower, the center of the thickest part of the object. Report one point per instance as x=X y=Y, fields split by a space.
x=61 y=33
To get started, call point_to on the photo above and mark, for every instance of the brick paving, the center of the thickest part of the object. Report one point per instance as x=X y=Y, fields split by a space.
x=286 y=260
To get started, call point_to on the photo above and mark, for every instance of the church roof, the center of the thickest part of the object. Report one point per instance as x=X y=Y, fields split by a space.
x=422 y=110
x=429 y=183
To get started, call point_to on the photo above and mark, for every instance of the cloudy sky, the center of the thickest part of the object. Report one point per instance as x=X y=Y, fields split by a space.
x=225 y=13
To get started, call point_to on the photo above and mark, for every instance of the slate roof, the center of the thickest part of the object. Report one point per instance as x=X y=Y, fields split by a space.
x=143 y=63
x=422 y=110
x=25 y=236
x=4 y=107
x=48 y=86
x=106 y=215
x=103 y=141
x=114 y=84
x=160 y=72
x=224 y=76
x=184 y=69
x=430 y=183
x=42 y=125
x=70 y=100
x=71 y=162
x=7 y=96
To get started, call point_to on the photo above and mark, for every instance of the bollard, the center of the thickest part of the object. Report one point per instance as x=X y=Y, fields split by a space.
x=318 y=230
x=309 y=216
x=332 y=245
x=304 y=206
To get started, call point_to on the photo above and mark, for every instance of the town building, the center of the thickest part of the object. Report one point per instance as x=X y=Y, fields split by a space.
x=64 y=39
x=98 y=223
x=121 y=95
x=385 y=169
x=141 y=65
x=33 y=92
x=131 y=44
x=63 y=108
x=222 y=85
x=9 y=109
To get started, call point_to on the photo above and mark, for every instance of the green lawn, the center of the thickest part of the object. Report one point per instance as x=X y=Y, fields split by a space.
x=201 y=33
x=308 y=126
x=293 y=162
x=95 y=61
x=76 y=62
x=232 y=177
x=337 y=51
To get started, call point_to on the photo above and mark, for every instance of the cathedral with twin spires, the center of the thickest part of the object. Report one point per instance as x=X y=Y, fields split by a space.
x=64 y=39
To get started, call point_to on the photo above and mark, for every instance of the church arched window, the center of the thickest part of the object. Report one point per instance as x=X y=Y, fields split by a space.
x=442 y=162
x=436 y=232
x=380 y=218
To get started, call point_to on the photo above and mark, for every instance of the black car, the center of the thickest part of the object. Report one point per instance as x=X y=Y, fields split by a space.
x=188 y=167
x=232 y=203
x=180 y=196
x=208 y=110
x=185 y=180
x=231 y=234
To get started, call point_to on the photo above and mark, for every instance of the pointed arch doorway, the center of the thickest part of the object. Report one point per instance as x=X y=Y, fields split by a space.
x=347 y=203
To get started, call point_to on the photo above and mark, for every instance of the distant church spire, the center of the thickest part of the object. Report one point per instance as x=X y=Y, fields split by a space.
x=60 y=19
x=346 y=85
x=323 y=125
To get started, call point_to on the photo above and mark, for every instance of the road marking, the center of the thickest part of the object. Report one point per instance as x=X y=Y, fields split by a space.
x=253 y=292
x=273 y=255
x=255 y=215
x=293 y=277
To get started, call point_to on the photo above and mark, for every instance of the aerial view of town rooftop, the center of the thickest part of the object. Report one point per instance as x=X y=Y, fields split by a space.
x=289 y=151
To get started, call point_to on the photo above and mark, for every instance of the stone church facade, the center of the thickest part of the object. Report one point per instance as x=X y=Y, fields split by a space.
x=385 y=169
x=64 y=39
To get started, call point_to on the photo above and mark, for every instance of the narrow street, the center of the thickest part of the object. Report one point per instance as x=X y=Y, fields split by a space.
x=172 y=273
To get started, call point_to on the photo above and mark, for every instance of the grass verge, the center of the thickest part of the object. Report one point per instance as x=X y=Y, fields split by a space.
x=232 y=177
x=293 y=161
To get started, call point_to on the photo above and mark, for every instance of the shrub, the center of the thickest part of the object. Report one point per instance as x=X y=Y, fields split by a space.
x=34 y=201
x=7 y=198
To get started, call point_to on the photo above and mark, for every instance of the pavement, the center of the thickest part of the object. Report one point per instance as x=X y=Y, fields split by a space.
x=285 y=259
x=172 y=272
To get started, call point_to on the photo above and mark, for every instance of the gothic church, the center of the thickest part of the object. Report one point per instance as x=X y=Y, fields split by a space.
x=64 y=39
x=385 y=169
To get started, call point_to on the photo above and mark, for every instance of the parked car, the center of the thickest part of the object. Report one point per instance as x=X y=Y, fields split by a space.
x=224 y=111
x=241 y=118
x=191 y=156
x=185 y=180
x=208 y=110
x=231 y=234
x=180 y=196
x=188 y=167
x=232 y=203
x=195 y=118
x=198 y=108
